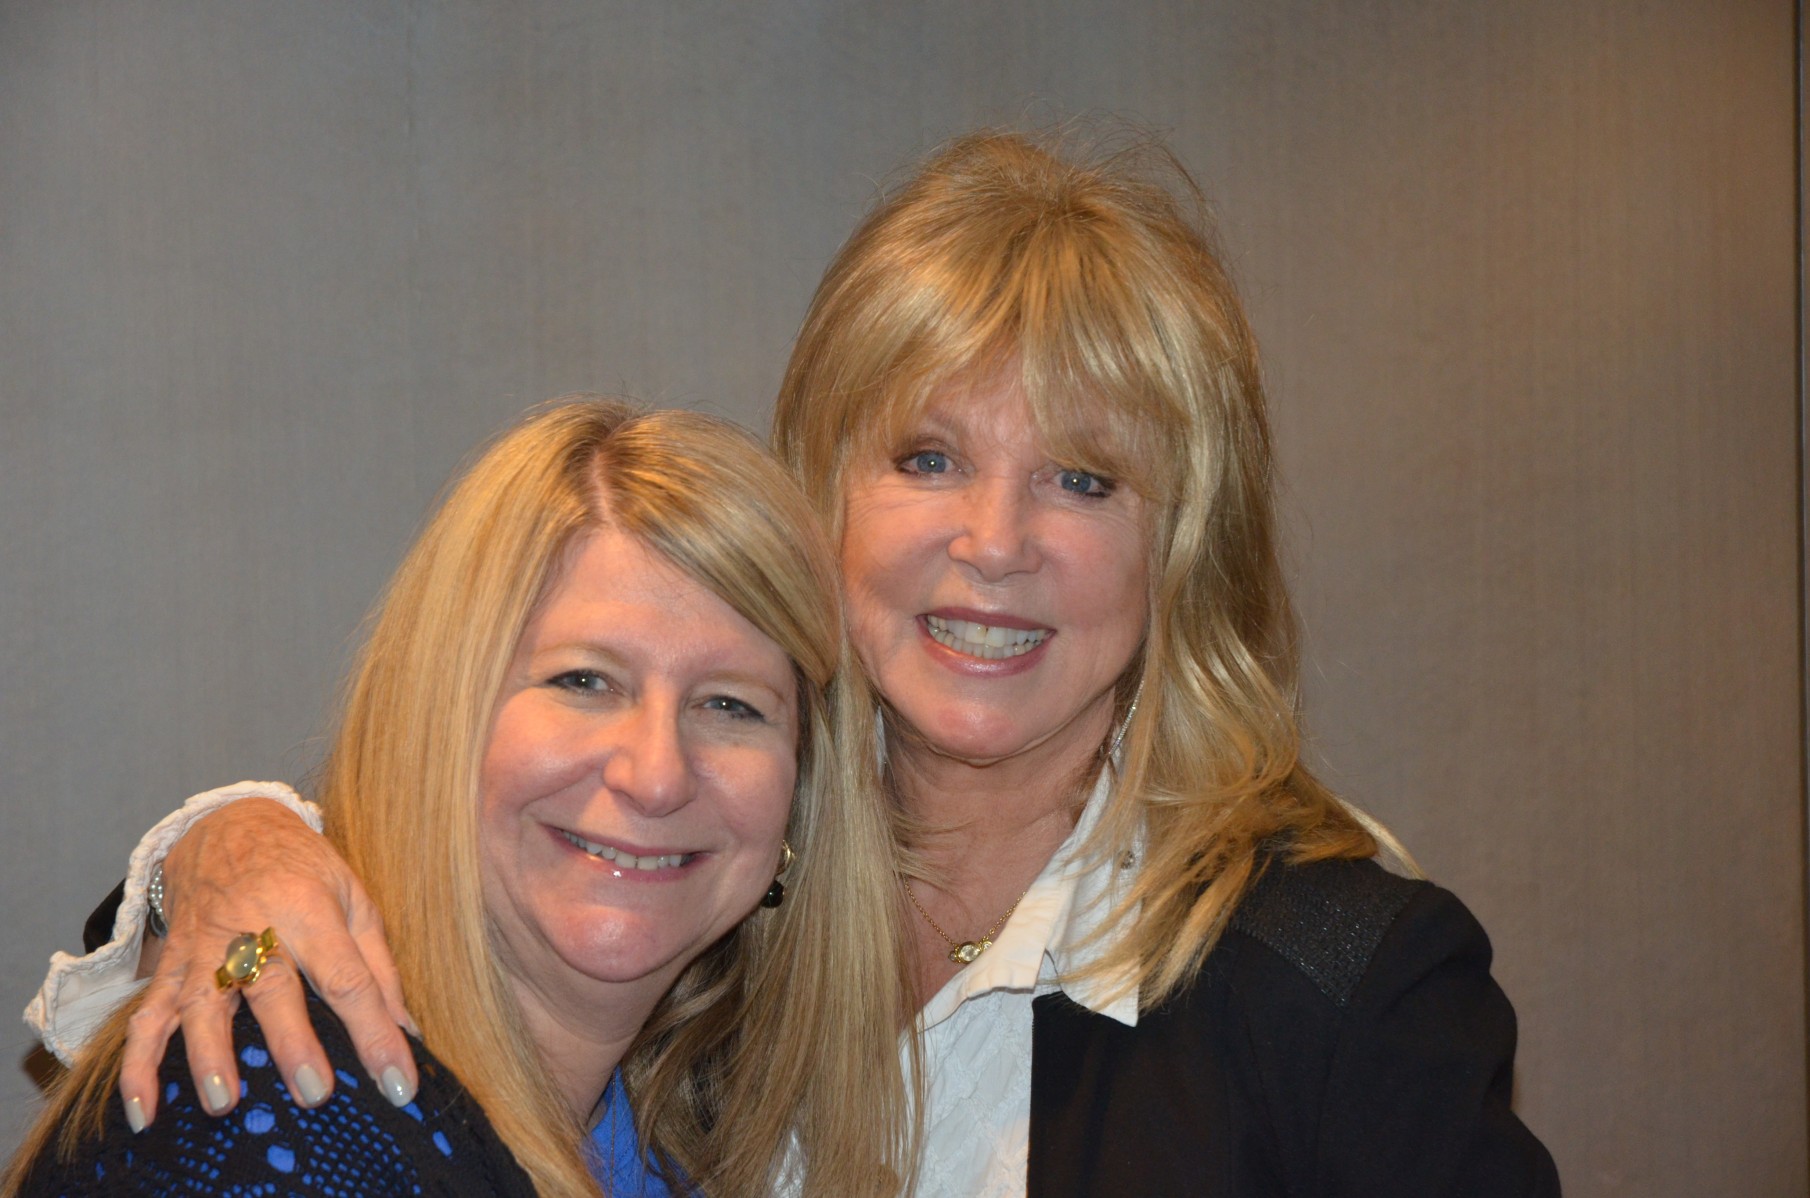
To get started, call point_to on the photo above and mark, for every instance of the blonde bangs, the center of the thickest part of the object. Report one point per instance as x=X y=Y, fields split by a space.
x=1001 y=266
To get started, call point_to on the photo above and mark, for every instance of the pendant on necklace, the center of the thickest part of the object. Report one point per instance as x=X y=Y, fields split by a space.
x=965 y=952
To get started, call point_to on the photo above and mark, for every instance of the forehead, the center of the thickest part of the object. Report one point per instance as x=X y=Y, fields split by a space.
x=614 y=592
x=995 y=408
x=990 y=411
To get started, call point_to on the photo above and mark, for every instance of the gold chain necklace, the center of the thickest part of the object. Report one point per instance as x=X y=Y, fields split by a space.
x=966 y=951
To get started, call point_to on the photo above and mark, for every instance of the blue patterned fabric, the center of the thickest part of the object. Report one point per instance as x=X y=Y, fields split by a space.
x=356 y=1144
x=353 y=1146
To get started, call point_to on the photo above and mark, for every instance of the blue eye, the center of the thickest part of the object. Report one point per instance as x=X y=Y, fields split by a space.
x=1080 y=482
x=926 y=461
x=733 y=708
x=580 y=680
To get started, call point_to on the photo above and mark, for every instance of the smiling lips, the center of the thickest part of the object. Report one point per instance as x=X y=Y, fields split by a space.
x=991 y=642
x=623 y=859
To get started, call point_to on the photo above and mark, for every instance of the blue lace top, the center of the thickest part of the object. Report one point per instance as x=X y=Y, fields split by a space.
x=354 y=1145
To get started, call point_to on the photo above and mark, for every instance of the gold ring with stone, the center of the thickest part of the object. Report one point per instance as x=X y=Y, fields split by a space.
x=245 y=957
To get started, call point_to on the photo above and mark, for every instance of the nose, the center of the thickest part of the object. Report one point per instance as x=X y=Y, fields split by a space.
x=647 y=766
x=995 y=537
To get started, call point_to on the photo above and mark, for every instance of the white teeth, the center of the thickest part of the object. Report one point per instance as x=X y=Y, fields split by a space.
x=989 y=641
x=628 y=860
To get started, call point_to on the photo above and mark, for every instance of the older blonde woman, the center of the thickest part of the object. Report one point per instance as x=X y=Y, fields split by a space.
x=1151 y=952
x=593 y=722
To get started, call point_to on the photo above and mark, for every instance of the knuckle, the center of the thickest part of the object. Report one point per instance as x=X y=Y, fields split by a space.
x=372 y=1048
x=275 y=976
x=286 y=1042
x=148 y=1022
x=200 y=1000
x=145 y=1037
x=158 y=1005
x=346 y=983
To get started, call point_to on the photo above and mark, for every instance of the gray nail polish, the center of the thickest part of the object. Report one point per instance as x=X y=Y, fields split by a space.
x=395 y=1086
x=213 y=1094
x=135 y=1114
x=309 y=1087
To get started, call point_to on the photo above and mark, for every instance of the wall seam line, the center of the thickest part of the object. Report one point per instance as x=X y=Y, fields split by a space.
x=1803 y=557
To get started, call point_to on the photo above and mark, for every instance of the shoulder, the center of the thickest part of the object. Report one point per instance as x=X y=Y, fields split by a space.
x=1335 y=943
x=1327 y=919
x=441 y=1141
x=355 y=1143
x=1343 y=1038
x=1383 y=1049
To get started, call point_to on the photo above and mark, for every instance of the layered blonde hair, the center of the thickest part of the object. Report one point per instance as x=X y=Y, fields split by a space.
x=1093 y=284
x=774 y=1029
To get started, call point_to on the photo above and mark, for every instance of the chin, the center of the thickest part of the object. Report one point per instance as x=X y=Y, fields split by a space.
x=977 y=745
x=619 y=951
x=627 y=967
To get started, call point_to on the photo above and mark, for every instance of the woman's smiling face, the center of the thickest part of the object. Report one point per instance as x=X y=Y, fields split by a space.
x=638 y=776
x=994 y=594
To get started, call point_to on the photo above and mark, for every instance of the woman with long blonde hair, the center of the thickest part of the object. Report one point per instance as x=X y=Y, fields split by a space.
x=593 y=726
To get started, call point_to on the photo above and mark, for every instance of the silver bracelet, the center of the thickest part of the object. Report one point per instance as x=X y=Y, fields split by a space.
x=159 y=924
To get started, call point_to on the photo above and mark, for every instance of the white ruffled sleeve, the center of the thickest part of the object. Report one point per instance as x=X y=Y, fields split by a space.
x=81 y=993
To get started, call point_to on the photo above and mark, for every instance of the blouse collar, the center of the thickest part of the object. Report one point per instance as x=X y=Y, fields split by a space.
x=1047 y=939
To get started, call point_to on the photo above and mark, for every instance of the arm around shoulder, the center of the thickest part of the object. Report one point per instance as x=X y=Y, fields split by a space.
x=79 y=993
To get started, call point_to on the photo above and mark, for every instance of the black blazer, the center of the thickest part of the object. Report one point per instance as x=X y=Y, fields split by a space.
x=1344 y=1039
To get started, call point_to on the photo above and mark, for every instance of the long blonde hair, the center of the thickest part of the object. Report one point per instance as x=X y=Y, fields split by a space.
x=1096 y=287
x=769 y=1030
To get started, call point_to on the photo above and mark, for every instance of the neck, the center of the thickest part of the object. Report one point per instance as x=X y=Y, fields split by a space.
x=972 y=809
x=989 y=830
x=582 y=1040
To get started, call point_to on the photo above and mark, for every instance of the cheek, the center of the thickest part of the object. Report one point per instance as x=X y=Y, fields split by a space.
x=872 y=598
x=884 y=538
x=501 y=767
x=756 y=804
x=1111 y=581
x=523 y=759
x=890 y=568
x=860 y=566
x=765 y=800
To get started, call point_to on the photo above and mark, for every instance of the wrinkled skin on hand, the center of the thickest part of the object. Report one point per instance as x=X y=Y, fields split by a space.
x=254 y=864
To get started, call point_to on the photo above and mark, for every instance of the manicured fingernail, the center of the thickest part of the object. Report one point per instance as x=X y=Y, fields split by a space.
x=395 y=1087
x=213 y=1094
x=309 y=1087
x=135 y=1114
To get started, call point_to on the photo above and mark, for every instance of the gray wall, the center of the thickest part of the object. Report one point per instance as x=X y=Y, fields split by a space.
x=1525 y=274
